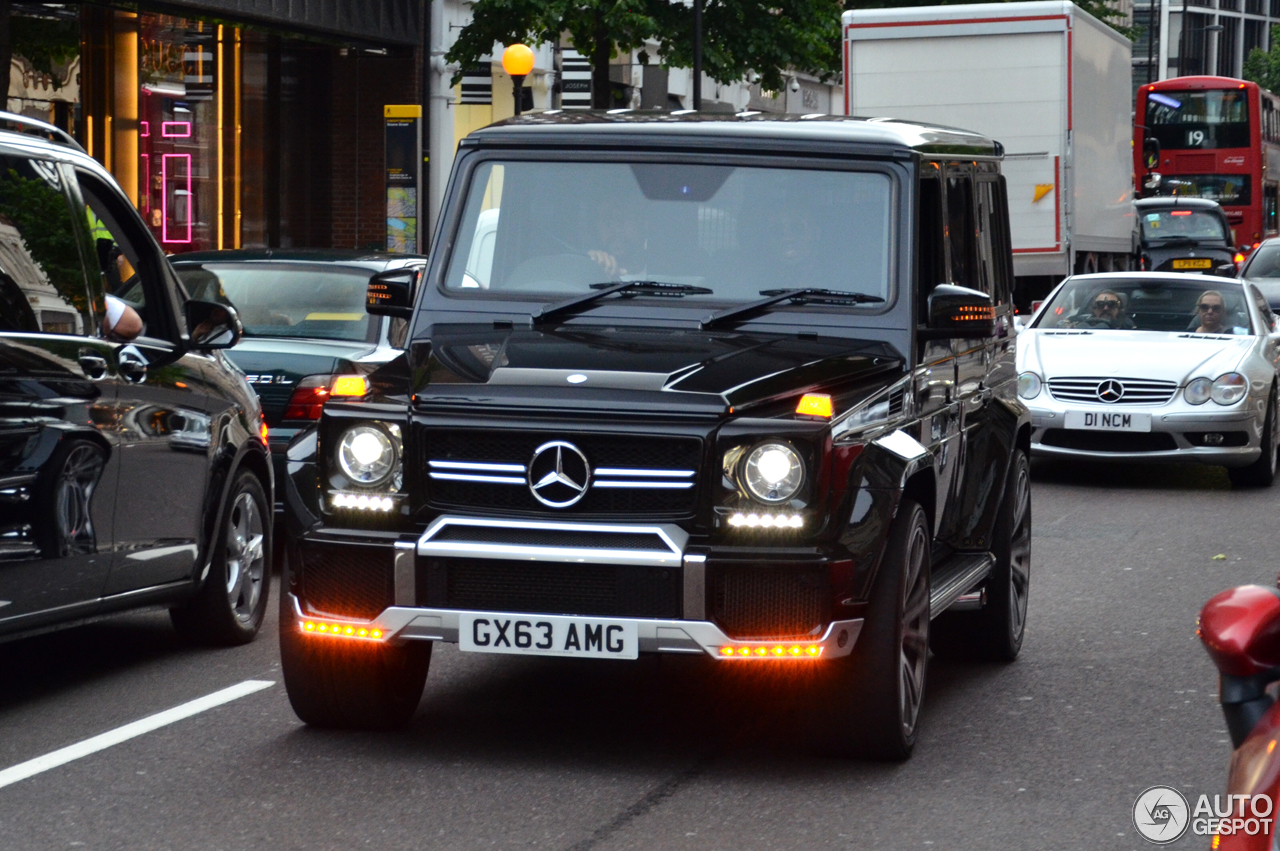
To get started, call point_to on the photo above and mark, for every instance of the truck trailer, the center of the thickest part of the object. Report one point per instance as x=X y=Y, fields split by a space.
x=1048 y=81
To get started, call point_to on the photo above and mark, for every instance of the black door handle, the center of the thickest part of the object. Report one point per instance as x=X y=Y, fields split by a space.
x=94 y=366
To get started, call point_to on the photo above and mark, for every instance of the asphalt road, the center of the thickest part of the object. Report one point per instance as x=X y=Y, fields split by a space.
x=1112 y=695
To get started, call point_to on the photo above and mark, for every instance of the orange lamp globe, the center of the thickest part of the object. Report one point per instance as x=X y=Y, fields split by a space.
x=517 y=60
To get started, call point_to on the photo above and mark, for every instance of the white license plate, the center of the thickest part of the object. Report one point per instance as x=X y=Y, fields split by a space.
x=1108 y=421
x=548 y=635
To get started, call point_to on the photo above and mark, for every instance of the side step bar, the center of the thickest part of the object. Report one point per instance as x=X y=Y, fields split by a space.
x=958 y=575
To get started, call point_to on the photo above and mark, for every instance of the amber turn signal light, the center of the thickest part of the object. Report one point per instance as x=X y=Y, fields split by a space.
x=340 y=630
x=815 y=405
x=350 y=385
x=772 y=651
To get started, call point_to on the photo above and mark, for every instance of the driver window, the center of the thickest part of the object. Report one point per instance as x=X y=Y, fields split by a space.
x=1264 y=310
x=479 y=269
x=116 y=253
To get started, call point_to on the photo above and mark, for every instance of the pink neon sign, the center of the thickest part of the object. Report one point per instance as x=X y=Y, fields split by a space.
x=146 y=128
x=166 y=175
x=175 y=129
x=146 y=181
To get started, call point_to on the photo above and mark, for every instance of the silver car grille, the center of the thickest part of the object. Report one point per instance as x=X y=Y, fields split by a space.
x=1113 y=391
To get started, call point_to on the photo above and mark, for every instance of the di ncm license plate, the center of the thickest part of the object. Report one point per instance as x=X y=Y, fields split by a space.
x=548 y=635
x=1107 y=421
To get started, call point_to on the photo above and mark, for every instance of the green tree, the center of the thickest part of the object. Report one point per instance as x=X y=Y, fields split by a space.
x=1263 y=66
x=739 y=36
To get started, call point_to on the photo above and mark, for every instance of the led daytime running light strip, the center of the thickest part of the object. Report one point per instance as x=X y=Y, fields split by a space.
x=767 y=521
x=776 y=651
x=363 y=501
x=338 y=630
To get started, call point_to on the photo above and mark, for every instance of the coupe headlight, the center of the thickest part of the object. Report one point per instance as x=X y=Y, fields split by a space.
x=1029 y=385
x=1229 y=388
x=1197 y=391
x=367 y=455
x=773 y=472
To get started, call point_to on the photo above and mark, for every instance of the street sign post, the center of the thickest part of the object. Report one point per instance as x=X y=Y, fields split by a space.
x=403 y=129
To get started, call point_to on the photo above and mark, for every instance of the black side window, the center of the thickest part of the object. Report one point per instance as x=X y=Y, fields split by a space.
x=931 y=258
x=123 y=254
x=1268 y=319
x=962 y=229
x=993 y=225
x=42 y=283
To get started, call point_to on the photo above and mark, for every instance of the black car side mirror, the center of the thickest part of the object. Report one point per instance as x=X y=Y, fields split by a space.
x=390 y=293
x=212 y=325
x=960 y=312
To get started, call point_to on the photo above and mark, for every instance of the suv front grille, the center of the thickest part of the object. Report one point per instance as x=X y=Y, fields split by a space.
x=550 y=588
x=1136 y=391
x=490 y=469
x=759 y=601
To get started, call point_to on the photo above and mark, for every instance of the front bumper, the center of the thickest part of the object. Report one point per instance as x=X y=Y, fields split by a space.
x=410 y=623
x=1177 y=435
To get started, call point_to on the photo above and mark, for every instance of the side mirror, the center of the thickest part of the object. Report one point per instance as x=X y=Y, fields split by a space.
x=960 y=312
x=212 y=325
x=390 y=293
x=1152 y=181
x=1151 y=153
x=1240 y=629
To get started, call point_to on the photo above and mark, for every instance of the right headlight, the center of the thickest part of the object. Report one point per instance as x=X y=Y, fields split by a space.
x=1029 y=385
x=367 y=455
x=1229 y=389
x=773 y=472
x=1197 y=391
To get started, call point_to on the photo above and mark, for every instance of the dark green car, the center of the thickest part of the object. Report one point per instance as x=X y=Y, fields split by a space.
x=305 y=325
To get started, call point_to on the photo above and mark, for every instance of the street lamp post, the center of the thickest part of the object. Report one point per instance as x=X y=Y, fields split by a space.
x=517 y=61
x=1215 y=29
x=697 y=54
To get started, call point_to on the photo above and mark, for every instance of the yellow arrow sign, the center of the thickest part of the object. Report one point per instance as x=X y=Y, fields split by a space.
x=1042 y=189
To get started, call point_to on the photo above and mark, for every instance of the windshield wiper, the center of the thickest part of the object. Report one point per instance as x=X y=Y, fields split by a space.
x=804 y=295
x=572 y=305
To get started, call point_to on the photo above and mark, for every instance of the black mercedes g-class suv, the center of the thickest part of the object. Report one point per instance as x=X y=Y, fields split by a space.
x=737 y=386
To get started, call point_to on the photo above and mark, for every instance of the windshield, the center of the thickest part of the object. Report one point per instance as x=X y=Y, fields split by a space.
x=286 y=301
x=1184 y=224
x=1148 y=304
x=1229 y=189
x=1265 y=262
x=557 y=228
x=1199 y=119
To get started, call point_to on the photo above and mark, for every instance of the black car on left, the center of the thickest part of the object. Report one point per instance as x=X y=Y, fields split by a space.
x=133 y=470
x=307 y=336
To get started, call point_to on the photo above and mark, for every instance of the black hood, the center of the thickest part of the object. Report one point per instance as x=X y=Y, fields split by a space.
x=640 y=370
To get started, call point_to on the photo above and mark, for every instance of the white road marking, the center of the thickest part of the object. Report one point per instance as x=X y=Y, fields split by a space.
x=132 y=730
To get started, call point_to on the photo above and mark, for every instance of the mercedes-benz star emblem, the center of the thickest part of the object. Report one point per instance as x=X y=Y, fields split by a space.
x=1110 y=391
x=558 y=474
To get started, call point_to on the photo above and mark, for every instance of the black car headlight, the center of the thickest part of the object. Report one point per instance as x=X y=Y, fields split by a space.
x=368 y=456
x=773 y=473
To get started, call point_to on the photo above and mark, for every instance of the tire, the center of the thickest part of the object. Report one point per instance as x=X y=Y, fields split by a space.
x=229 y=607
x=873 y=696
x=1261 y=473
x=994 y=633
x=355 y=685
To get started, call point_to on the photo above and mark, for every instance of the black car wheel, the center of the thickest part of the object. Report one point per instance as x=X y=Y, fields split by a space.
x=229 y=607
x=347 y=684
x=874 y=695
x=995 y=631
x=1261 y=473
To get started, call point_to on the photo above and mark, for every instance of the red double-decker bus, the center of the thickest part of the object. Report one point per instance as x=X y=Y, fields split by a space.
x=1215 y=138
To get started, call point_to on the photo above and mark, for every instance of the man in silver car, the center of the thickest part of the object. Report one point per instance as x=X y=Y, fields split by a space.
x=1106 y=310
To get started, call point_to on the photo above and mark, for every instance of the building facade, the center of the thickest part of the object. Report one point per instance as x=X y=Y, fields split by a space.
x=1177 y=38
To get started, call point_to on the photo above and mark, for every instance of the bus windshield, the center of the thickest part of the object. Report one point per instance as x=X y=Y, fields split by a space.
x=1208 y=119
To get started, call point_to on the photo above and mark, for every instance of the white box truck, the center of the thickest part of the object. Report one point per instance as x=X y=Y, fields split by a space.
x=1048 y=81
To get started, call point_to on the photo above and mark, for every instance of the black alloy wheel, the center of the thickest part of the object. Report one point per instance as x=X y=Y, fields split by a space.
x=348 y=684
x=995 y=632
x=230 y=605
x=872 y=697
x=1261 y=473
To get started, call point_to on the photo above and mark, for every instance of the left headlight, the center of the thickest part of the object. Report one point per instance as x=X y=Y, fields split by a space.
x=1029 y=385
x=773 y=472
x=367 y=455
x=1229 y=389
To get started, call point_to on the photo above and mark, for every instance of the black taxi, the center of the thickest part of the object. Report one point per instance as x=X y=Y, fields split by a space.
x=739 y=387
x=133 y=464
